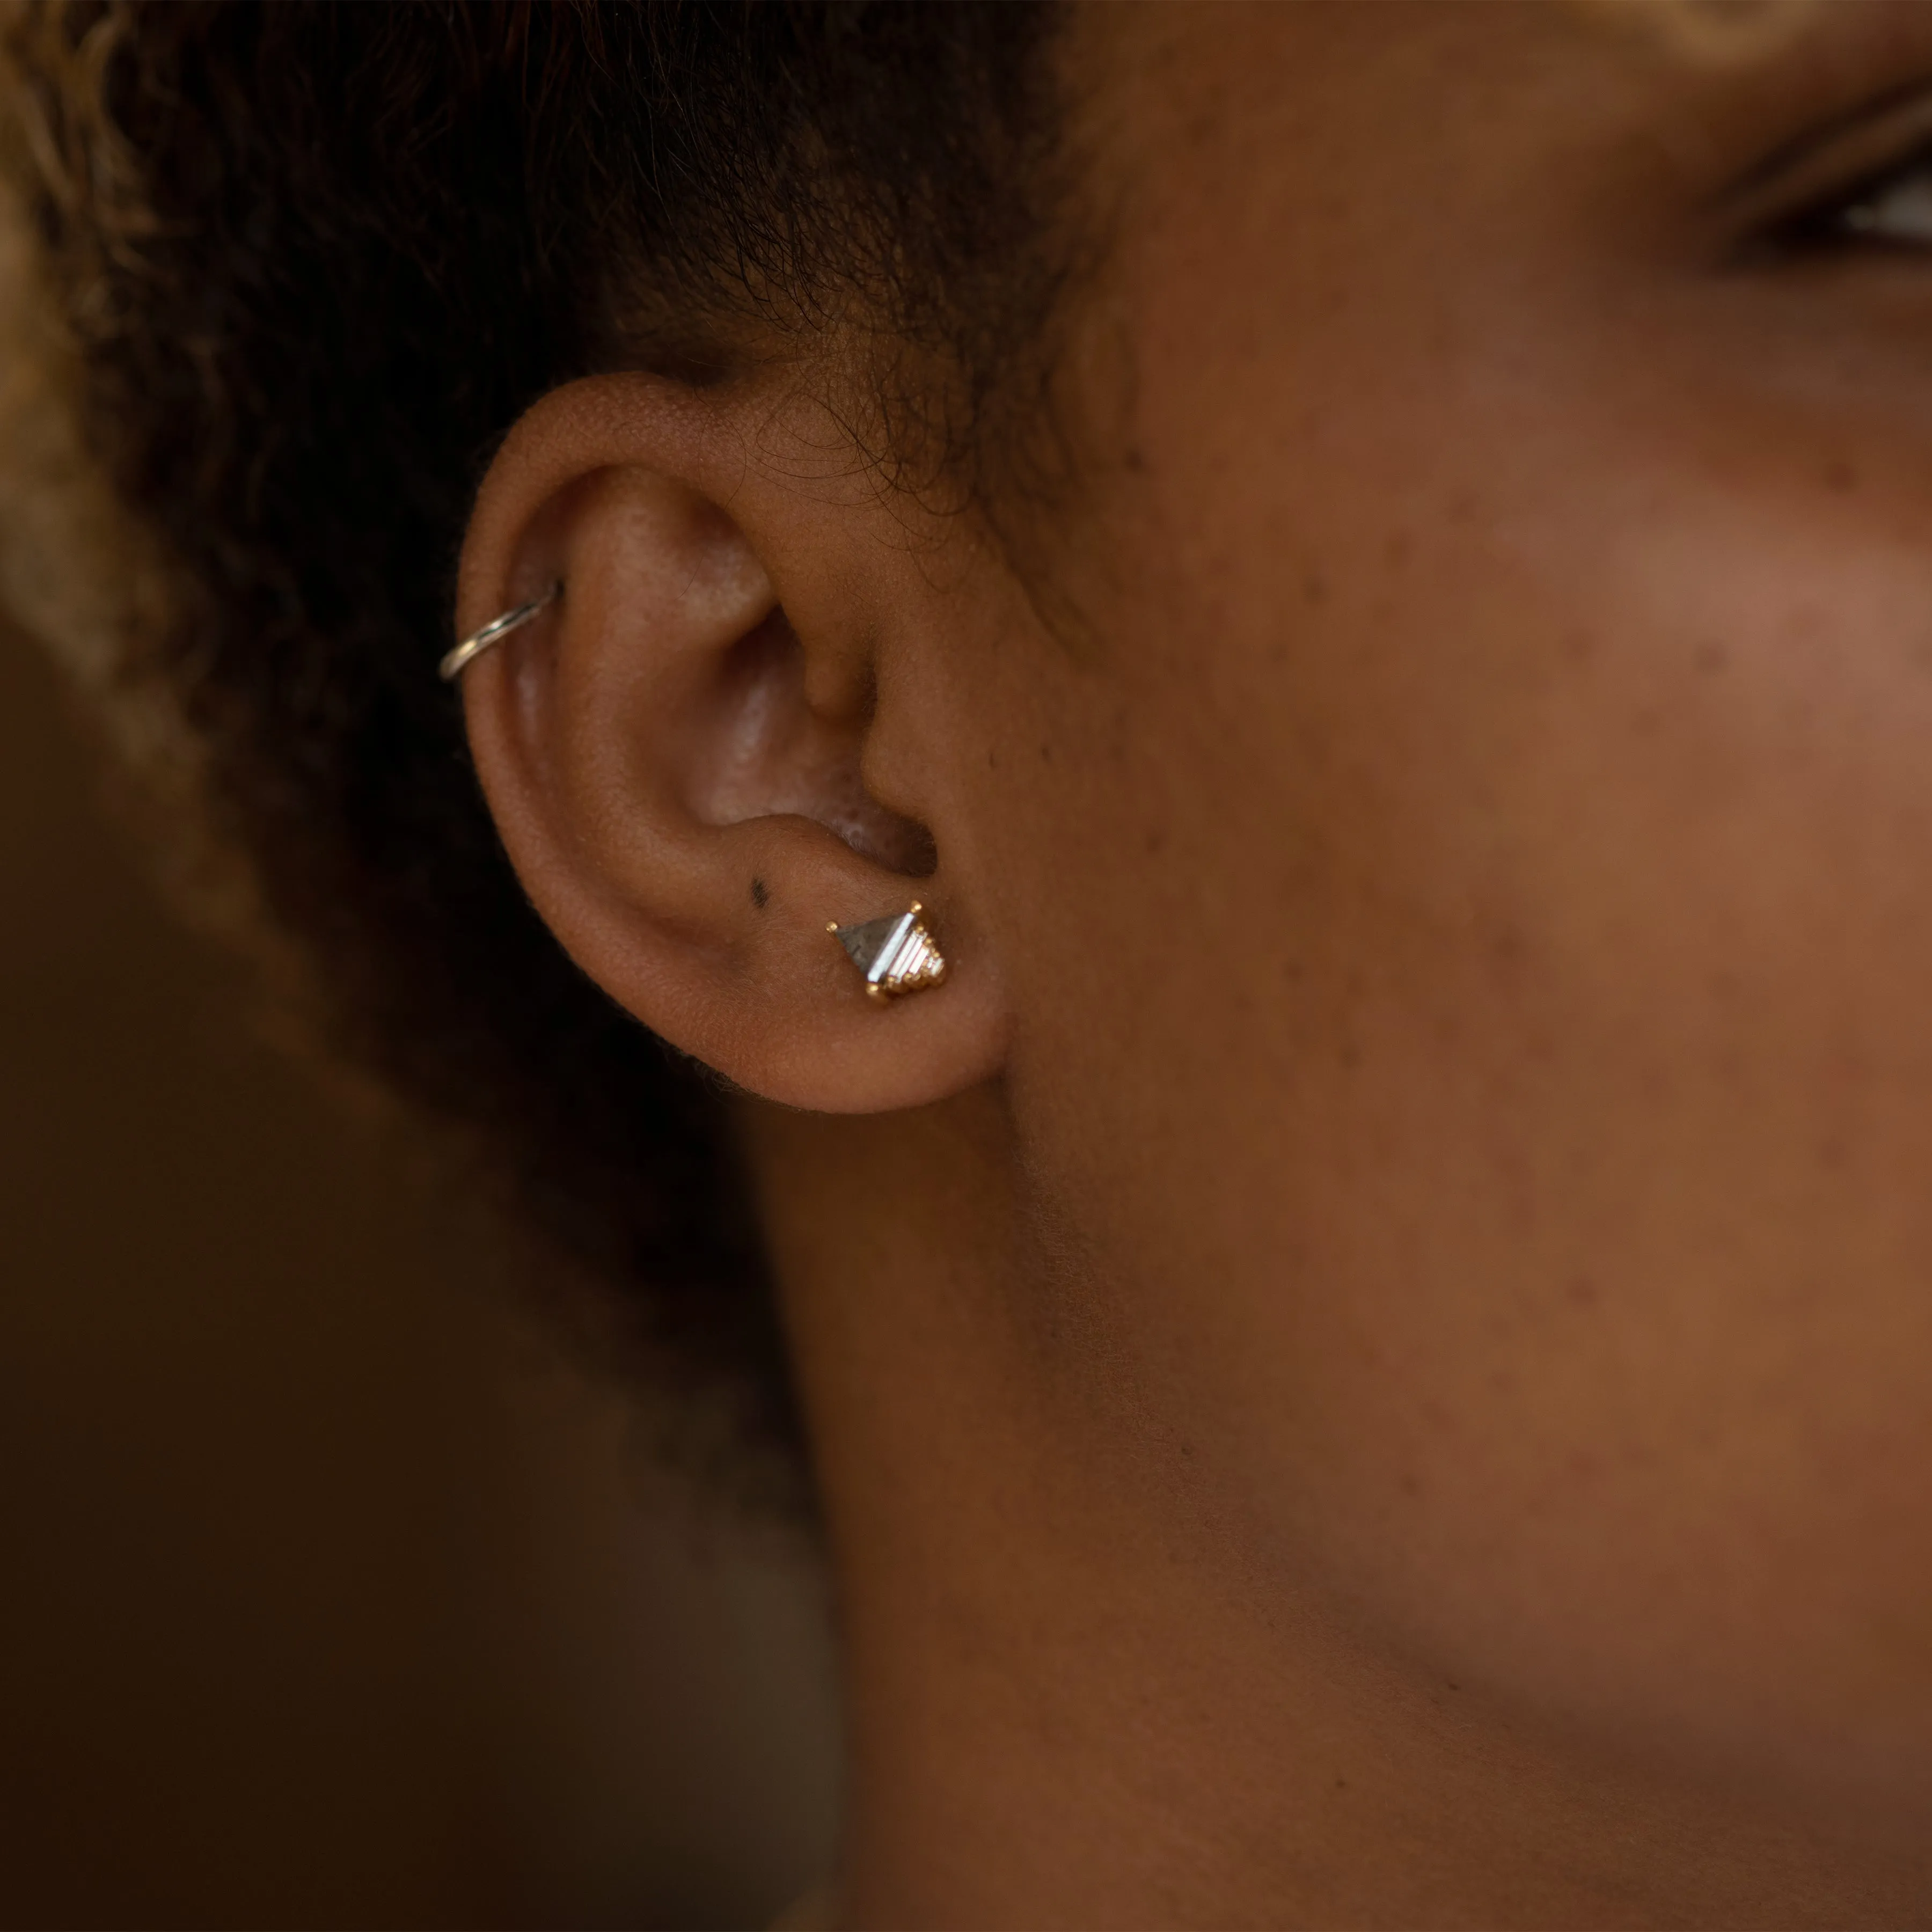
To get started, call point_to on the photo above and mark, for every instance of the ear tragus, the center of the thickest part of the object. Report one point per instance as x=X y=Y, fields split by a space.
x=777 y=753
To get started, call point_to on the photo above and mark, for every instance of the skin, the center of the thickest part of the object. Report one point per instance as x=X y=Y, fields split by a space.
x=1369 y=1353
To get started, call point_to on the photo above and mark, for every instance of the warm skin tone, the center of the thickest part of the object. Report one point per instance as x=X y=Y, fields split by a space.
x=1370 y=1353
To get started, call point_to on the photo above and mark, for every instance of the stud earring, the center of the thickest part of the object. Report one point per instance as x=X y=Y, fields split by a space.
x=896 y=954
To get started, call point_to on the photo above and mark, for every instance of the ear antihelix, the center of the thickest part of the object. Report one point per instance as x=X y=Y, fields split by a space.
x=895 y=955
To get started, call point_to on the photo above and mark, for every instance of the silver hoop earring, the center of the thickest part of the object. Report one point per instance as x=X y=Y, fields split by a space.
x=895 y=955
x=473 y=646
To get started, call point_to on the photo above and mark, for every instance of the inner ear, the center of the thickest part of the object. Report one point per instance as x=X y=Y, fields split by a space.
x=774 y=753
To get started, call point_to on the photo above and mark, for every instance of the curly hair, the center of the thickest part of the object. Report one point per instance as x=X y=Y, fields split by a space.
x=310 y=261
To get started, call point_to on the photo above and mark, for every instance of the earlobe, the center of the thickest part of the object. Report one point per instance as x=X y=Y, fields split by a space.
x=673 y=747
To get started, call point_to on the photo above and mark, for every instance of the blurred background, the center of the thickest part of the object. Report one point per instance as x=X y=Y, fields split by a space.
x=331 y=1594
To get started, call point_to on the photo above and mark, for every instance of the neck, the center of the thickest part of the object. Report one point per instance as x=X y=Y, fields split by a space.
x=1069 y=1703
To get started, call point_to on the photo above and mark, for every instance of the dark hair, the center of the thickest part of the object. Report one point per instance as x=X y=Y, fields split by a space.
x=313 y=260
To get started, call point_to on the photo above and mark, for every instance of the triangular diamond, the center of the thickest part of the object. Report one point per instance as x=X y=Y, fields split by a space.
x=871 y=944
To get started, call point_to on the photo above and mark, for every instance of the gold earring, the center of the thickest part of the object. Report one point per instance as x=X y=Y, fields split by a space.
x=896 y=954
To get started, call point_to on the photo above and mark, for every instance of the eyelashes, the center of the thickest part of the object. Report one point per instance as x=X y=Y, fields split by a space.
x=1891 y=210
x=1864 y=177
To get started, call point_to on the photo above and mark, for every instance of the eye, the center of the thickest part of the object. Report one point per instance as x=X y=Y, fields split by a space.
x=1862 y=180
x=1896 y=209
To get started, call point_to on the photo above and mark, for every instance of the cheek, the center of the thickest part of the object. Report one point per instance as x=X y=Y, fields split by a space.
x=1477 y=1025
x=1611 y=1139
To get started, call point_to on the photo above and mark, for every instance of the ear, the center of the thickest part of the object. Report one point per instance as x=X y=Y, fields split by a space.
x=718 y=739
